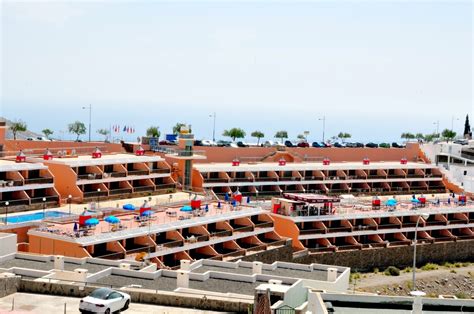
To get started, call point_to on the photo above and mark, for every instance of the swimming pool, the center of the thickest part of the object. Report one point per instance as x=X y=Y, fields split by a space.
x=32 y=217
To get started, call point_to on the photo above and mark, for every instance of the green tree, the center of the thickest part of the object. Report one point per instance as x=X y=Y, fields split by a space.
x=17 y=126
x=177 y=128
x=47 y=133
x=343 y=136
x=300 y=137
x=234 y=133
x=419 y=136
x=281 y=135
x=448 y=134
x=153 y=131
x=77 y=128
x=430 y=137
x=258 y=135
x=104 y=132
x=407 y=136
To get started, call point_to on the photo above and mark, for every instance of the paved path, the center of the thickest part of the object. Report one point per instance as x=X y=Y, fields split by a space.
x=47 y=304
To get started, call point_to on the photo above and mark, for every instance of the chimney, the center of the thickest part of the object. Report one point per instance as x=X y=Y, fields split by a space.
x=332 y=274
x=185 y=265
x=182 y=279
x=257 y=268
x=59 y=262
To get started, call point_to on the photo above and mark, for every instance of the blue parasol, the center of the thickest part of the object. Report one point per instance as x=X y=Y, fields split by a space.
x=92 y=222
x=186 y=208
x=112 y=220
x=128 y=207
x=226 y=197
x=147 y=213
x=391 y=202
x=414 y=200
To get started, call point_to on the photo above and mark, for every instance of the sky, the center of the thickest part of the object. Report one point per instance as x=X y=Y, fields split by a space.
x=373 y=69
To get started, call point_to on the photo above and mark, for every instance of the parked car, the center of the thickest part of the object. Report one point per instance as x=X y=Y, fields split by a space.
x=350 y=144
x=198 y=143
x=104 y=300
x=461 y=142
x=289 y=144
x=359 y=145
x=223 y=143
x=326 y=144
x=303 y=144
x=242 y=144
x=372 y=145
x=234 y=145
x=316 y=144
x=30 y=139
x=339 y=145
x=396 y=145
x=384 y=145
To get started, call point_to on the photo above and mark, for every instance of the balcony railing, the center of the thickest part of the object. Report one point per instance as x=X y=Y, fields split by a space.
x=15 y=202
x=395 y=176
x=172 y=244
x=160 y=171
x=118 y=174
x=221 y=233
x=120 y=191
x=89 y=176
x=37 y=200
x=216 y=180
x=265 y=224
x=143 y=188
x=243 y=228
x=266 y=179
x=10 y=183
x=95 y=193
x=137 y=172
x=415 y=176
x=339 y=229
x=39 y=181
x=312 y=231
x=290 y=178
x=241 y=179
x=165 y=186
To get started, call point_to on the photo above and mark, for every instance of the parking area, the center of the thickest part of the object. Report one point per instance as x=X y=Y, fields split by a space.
x=20 y=303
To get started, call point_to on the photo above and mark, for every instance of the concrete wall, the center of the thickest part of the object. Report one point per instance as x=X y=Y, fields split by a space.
x=7 y=243
x=206 y=303
x=9 y=285
x=401 y=256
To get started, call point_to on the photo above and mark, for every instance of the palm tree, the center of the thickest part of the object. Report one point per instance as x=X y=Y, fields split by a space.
x=448 y=134
x=77 y=128
x=407 y=136
x=234 y=133
x=153 y=131
x=343 y=136
x=281 y=135
x=18 y=126
x=177 y=128
x=258 y=135
x=104 y=132
x=47 y=133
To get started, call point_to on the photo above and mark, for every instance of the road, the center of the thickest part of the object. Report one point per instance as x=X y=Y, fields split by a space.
x=47 y=304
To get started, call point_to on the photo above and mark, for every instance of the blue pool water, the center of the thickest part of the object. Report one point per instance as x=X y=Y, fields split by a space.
x=32 y=217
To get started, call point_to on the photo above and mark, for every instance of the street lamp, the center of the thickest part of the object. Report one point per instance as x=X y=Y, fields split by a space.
x=424 y=216
x=437 y=128
x=90 y=119
x=98 y=197
x=44 y=207
x=69 y=199
x=213 y=115
x=324 y=125
x=6 y=212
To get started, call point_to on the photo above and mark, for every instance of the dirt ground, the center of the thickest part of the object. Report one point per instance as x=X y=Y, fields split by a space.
x=457 y=281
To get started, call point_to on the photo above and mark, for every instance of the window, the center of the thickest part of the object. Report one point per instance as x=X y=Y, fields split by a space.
x=114 y=295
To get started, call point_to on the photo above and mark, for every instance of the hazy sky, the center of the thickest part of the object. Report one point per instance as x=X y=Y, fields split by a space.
x=372 y=68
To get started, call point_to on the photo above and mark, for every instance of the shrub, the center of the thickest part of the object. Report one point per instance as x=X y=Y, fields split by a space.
x=461 y=295
x=408 y=270
x=452 y=271
x=376 y=270
x=466 y=264
x=430 y=266
x=392 y=271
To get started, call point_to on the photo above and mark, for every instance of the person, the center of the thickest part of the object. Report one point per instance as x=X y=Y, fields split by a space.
x=449 y=200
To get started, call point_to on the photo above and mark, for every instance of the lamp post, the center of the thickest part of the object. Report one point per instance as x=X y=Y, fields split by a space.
x=324 y=125
x=90 y=119
x=213 y=115
x=424 y=216
x=44 y=207
x=98 y=198
x=6 y=211
x=69 y=199
x=437 y=128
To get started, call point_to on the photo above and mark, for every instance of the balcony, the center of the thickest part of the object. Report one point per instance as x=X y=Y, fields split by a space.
x=415 y=176
x=38 y=180
x=137 y=172
x=48 y=199
x=216 y=180
x=239 y=228
x=264 y=224
x=290 y=178
x=221 y=233
x=172 y=244
x=10 y=183
x=165 y=186
x=312 y=231
x=118 y=174
x=241 y=180
x=16 y=202
x=89 y=176
x=143 y=188
x=160 y=171
x=95 y=193
x=263 y=179
x=120 y=191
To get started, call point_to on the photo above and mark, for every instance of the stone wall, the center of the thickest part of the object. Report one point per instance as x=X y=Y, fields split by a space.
x=399 y=256
x=282 y=254
x=205 y=303
x=9 y=285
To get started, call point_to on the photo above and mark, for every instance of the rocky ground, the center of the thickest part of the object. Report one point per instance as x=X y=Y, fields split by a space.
x=446 y=280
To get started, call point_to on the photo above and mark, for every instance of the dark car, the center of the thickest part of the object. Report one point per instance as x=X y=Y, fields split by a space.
x=316 y=144
x=197 y=143
x=396 y=145
x=223 y=143
x=303 y=144
x=242 y=144
x=338 y=145
x=289 y=144
x=349 y=144
x=372 y=145
x=359 y=145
